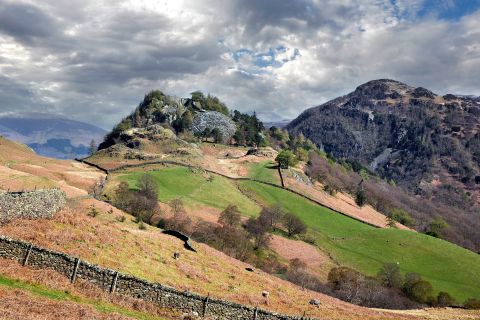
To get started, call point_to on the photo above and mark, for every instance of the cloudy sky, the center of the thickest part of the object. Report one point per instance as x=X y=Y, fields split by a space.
x=93 y=60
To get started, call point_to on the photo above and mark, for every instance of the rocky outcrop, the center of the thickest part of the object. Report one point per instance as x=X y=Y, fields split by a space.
x=214 y=120
x=38 y=204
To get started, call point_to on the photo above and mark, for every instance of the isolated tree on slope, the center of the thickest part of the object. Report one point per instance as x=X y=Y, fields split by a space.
x=285 y=159
x=93 y=147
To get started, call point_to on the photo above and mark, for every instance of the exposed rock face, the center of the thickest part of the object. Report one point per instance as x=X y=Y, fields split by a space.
x=153 y=132
x=214 y=120
x=407 y=134
x=39 y=204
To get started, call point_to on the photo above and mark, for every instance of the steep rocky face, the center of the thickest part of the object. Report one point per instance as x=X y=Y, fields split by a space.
x=211 y=120
x=427 y=143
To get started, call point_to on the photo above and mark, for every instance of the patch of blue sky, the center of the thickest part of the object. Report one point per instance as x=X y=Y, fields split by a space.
x=450 y=9
x=274 y=57
x=442 y=9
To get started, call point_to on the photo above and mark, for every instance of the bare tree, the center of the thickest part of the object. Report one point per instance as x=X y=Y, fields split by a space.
x=230 y=217
x=97 y=188
x=293 y=224
x=272 y=215
x=258 y=230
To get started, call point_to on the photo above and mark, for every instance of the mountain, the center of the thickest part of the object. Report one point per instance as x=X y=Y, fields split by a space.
x=428 y=144
x=51 y=135
x=277 y=123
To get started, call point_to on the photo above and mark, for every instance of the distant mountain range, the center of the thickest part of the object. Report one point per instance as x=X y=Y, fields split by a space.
x=278 y=123
x=51 y=135
x=427 y=143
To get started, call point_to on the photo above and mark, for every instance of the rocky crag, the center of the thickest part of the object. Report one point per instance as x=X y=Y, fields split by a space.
x=171 y=112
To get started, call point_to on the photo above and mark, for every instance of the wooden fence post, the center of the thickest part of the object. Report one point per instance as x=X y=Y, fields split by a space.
x=205 y=303
x=114 y=283
x=75 y=269
x=25 y=260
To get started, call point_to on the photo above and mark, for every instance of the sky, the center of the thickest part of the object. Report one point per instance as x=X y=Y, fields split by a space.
x=94 y=60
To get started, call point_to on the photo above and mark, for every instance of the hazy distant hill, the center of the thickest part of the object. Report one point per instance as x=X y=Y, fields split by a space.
x=278 y=123
x=51 y=135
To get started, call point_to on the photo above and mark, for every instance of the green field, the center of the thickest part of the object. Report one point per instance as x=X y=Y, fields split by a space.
x=195 y=188
x=448 y=267
x=264 y=171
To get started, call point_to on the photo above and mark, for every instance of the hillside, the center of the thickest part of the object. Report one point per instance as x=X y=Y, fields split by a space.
x=427 y=143
x=349 y=242
x=106 y=240
x=51 y=135
x=424 y=143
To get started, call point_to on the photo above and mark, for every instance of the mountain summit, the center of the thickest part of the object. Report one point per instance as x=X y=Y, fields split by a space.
x=427 y=143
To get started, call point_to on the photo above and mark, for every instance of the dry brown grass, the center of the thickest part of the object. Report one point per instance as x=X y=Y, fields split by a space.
x=148 y=254
x=318 y=263
x=22 y=169
x=341 y=202
x=20 y=304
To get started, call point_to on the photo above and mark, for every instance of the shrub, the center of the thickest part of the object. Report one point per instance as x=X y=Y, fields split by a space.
x=330 y=190
x=402 y=216
x=472 y=303
x=436 y=227
x=390 y=275
x=120 y=218
x=93 y=212
x=298 y=274
x=421 y=291
x=444 y=299
x=361 y=197
x=142 y=225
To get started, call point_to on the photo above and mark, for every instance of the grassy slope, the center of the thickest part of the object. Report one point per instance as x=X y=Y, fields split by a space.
x=447 y=266
x=264 y=171
x=194 y=188
x=352 y=243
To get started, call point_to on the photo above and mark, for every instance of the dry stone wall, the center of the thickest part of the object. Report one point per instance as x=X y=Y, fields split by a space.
x=38 y=204
x=113 y=281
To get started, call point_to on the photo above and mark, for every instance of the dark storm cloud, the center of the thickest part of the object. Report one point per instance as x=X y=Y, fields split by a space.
x=25 y=22
x=16 y=97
